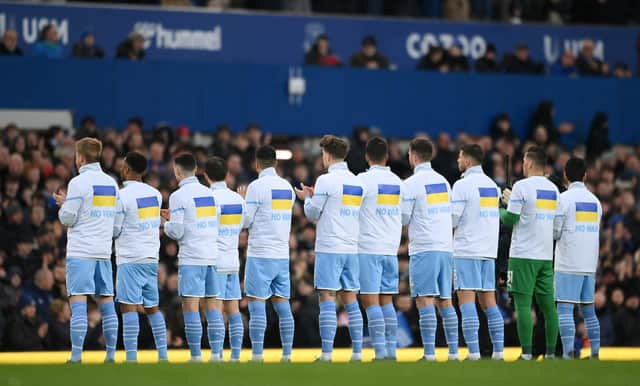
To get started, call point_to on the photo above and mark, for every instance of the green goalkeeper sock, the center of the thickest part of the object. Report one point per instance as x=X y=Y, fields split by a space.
x=547 y=305
x=524 y=322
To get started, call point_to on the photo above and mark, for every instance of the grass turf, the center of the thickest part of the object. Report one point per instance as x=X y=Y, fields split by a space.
x=309 y=374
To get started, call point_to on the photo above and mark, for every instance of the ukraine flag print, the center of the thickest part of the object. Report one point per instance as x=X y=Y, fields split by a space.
x=388 y=194
x=586 y=212
x=148 y=207
x=104 y=195
x=205 y=206
x=281 y=199
x=437 y=193
x=546 y=199
x=231 y=214
x=488 y=197
x=351 y=195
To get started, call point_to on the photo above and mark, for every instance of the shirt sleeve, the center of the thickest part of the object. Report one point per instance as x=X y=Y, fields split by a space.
x=517 y=199
x=458 y=203
x=313 y=206
x=558 y=220
x=175 y=228
x=252 y=204
x=407 y=203
x=69 y=210
x=118 y=221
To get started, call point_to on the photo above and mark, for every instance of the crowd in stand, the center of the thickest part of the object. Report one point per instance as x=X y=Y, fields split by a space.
x=34 y=313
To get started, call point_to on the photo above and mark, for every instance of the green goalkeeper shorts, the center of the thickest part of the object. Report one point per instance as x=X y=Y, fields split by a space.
x=527 y=276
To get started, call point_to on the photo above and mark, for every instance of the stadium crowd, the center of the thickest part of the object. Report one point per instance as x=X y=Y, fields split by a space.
x=34 y=313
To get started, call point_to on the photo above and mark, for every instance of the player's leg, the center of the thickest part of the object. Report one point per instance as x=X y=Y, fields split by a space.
x=281 y=290
x=423 y=281
x=257 y=278
x=213 y=313
x=487 y=300
x=589 y=314
x=350 y=284
x=191 y=286
x=129 y=282
x=388 y=288
x=236 y=328
x=104 y=297
x=79 y=284
x=326 y=280
x=546 y=302
x=567 y=294
x=467 y=280
x=520 y=283
x=370 y=280
x=445 y=305
x=150 y=301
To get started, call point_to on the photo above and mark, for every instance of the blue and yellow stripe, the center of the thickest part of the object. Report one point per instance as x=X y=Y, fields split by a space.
x=205 y=206
x=231 y=214
x=488 y=197
x=104 y=195
x=352 y=195
x=546 y=199
x=437 y=193
x=586 y=212
x=388 y=194
x=281 y=199
x=148 y=207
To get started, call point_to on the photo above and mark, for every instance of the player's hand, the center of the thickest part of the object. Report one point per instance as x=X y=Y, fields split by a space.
x=242 y=191
x=506 y=195
x=304 y=191
x=165 y=214
x=42 y=330
x=60 y=197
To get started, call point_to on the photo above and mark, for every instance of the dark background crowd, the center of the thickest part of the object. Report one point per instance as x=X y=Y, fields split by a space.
x=34 y=313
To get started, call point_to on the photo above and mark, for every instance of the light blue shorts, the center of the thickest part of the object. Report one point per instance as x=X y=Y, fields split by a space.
x=89 y=277
x=378 y=274
x=431 y=274
x=474 y=274
x=229 y=286
x=264 y=278
x=336 y=272
x=137 y=284
x=198 y=281
x=572 y=288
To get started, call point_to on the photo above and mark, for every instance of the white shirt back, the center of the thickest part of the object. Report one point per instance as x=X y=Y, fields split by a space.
x=336 y=206
x=269 y=205
x=89 y=212
x=426 y=209
x=380 y=212
x=137 y=223
x=577 y=229
x=535 y=199
x=476 y=217
x=230 y=216
x=194 y=206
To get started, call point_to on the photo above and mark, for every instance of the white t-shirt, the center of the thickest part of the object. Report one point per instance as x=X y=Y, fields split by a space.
x=577 y=231
x=380 y=212
x=535 y=199
x=476 y=217
x=230 y=217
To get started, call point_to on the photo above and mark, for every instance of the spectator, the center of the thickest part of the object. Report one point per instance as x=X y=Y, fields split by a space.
x=88 y=128
x=58 y=337
x=542 y=129
x=25 y=332
x=626 y=322
x=87 y=47
x=459 y=10
x=320 y=54
x=355 y=157
x=48 y=44
x=456 y=62
x=9 y=44
x=520 y=63
x=488 y=63
x=368 y=57
x=446 y=160
x=434 y=60
x=621 y=71
x=587 y=64
x=40 y=292
x=502 y=128
x=598 y=139
x=566 y=66
x=132 y=48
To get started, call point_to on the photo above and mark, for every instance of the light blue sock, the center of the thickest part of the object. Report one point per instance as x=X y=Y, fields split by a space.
x=593 y=327
x=470 y=326
x=390 y=329
x=236 y=332
x=375 y=322
x=110 y=328
x=450 y=322
x=193 y=332
x=257 y=326
x=224 y=334
x=215 y=330
x=567 y=326
x=130 y=331
x=496 y=328
x=356 y=325
x=159 y=330
x=328 y=325
x=287 y=325
x=78 y=329
x=428 y=324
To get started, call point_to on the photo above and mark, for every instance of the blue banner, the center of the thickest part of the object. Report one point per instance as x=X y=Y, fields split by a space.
x=276 y=39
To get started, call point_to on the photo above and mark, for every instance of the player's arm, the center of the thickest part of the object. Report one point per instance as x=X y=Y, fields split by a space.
x=407 y=203
x=252 y=204
x=514 y=201
x=458 y=203
x=314 y=205
x=174 y=228
x=118 y=220
x=71 y=203
x=559 y=220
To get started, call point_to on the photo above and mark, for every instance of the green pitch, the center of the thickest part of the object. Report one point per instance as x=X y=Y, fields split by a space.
x=545 y=373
